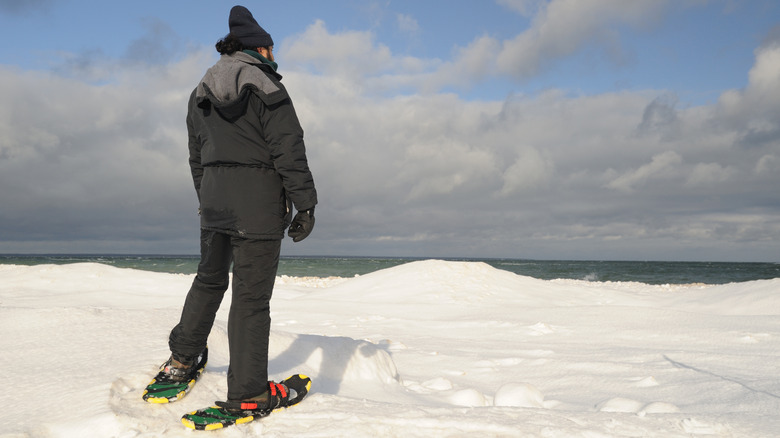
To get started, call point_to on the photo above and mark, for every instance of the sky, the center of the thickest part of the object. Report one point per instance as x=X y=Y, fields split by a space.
x=560 y=129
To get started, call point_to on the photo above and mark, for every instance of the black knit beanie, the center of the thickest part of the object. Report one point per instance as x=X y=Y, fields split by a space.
x=244 y=26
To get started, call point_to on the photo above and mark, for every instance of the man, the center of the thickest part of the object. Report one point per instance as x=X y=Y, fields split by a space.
x=249 y=166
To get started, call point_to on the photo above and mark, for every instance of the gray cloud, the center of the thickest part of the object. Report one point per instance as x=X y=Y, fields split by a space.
x=23 y=7
x=549 y=175
x=88 y=167
x=159 y=45
x=772 y=38
x=660 y=117
x=82 y=162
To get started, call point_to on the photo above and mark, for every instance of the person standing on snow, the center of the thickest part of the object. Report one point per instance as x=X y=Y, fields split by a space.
x=249 y=166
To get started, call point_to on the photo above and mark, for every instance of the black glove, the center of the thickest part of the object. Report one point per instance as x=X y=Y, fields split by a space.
x=301 y=225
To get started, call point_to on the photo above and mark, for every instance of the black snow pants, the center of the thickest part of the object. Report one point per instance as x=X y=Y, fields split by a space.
x=255 y=263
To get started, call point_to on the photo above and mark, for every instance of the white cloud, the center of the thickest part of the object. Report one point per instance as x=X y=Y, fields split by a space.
x=470 y=64
x=563 y=27
x=763 y=77
x=407 y=24
x=352 y=54
x=757 y=102
x=559 y=28
x=661 y=165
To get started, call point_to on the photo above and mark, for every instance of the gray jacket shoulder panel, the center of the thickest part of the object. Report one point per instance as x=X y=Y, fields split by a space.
x=227 y=79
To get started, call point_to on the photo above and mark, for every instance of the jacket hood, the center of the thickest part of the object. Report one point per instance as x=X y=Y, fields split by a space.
x=228 y=84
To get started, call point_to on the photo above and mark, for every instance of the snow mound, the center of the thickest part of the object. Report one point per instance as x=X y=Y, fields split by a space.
x=522 y=395
x=468 y=397
x=620 y=404
x=659 y=408
x=333 y=359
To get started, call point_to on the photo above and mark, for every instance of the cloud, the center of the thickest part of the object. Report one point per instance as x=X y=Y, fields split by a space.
x=767 y=164
x=22 y=7
x=470 y=64
x=772 y=38
x=660 y=117
x=529 y=170
x=559 y=28
x=353 y=54
x=355 y=63
x=563 y=27
x=101 y=166
x=756 y=103
x=407 y=24
x=662 y=165
x=87 y=162
x=751 y=115
x=433 y=173
x=159 y=45
x=762 y=78
x=523 y=7
x=709 y=173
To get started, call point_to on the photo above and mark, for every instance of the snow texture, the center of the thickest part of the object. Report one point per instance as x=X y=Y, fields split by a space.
x=429 y=348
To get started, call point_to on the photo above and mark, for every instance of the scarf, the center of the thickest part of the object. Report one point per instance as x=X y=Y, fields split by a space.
x=261 y=58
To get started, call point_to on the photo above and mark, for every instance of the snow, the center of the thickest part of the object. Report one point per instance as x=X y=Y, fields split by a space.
x=429 y=348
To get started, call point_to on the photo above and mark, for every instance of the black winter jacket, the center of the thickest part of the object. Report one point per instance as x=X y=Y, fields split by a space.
x=247 y=155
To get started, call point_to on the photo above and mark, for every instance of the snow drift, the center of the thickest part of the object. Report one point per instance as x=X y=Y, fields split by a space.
x=428 y=348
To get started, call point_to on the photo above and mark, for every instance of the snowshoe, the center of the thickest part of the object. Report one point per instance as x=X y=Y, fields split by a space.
x=175 y=379
x=280 y=395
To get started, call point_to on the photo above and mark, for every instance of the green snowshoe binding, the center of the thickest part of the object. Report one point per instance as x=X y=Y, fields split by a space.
x=175 y=379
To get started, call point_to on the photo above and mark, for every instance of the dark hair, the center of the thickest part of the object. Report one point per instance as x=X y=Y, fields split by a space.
x=230 y=44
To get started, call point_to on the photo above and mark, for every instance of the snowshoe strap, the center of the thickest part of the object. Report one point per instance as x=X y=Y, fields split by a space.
x=274 y=387
x=278 y=396
x=243 y=406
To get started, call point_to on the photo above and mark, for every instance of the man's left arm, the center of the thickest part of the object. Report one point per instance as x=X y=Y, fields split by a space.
x=288 y=152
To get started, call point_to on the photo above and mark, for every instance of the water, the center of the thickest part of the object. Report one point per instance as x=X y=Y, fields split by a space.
x=645 y=272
